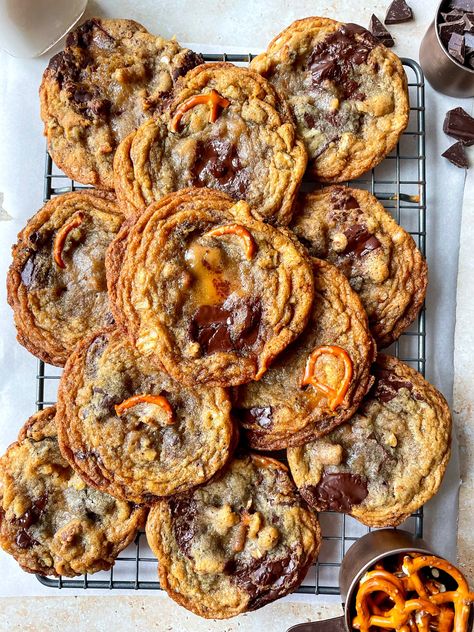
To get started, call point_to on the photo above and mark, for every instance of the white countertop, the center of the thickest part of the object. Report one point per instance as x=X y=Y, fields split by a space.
x=249 y=24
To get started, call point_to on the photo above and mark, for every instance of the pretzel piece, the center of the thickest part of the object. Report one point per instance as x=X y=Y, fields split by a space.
x=213 y=98
x=335 y=396
x=158 y=400
x=61 y=236
x=240 y=231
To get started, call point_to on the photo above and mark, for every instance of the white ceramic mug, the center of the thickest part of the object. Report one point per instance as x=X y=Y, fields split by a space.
x=28 y=28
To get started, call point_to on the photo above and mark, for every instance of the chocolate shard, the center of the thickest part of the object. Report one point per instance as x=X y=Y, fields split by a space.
x=379 y=31
x=457 y=155
x=448 y=28
x=469 y=42
x=463 y=5
x=460 y=125
x=456 y=47
x=398 y=12
x=469 y=22
x=453 y=15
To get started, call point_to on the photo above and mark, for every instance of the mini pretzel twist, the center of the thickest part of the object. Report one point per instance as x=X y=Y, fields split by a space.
x=212 y=98
x=158 y=400
x=61 y=236
x=240 y=231
x=335 y=396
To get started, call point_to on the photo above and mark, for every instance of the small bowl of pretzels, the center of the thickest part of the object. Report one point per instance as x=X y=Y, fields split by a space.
x=391 y=580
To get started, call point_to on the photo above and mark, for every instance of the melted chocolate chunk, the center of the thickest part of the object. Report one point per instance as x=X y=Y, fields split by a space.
x=359 y=241
x=379 y=31
x=183 y=512
x=341 y=199
x=398 y=12
x=91 y=32
x=262 y=417
x=218 y=166
x=456 y=154
x=336 y=56
x=189 y=61
x=387 y=384
x=24 y=540
x=227 y=327
x=338 y=491
x=460 y=125
x=264 y=579
x=34 y=513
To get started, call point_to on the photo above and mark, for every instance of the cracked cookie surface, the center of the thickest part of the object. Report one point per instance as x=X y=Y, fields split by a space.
x=111 y=76
x=351 y=229
x=174 y=441
x=250 y=151
x=206 y=290
x=57 y=283
x=239 y=542
x=389 y=460
x=50 y=520
x=347 y=93
x=279 y=411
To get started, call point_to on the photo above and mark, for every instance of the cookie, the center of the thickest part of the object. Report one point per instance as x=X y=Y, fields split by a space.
x=111 y=77
x=352 y=230
x=237 y=543
x=318 y=382
x=56 y=283
x=206 y=289
x=226 y=129
x=389 y=460
x=347 y=92
x=131 y=430
x=50 y=520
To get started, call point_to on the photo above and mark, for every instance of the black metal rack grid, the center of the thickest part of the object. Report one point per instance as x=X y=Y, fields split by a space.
x=399 y=183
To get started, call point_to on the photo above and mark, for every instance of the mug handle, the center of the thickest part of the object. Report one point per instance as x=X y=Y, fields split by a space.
x=329 y=625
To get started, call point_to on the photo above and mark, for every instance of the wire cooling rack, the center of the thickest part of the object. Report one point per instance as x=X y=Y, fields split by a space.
x=399 y=183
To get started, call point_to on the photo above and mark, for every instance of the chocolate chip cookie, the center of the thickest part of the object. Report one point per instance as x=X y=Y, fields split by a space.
x=56 y=282
x=347 y=92
x=389 y=460
x=226 y=129
x=109 y=79
x=50 y=520
x=206 y=289
x=132 y=431
x=318 y=382
x=352 y=230
x=237 y=543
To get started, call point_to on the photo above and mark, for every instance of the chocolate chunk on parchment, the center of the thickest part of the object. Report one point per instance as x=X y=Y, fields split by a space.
x=398 y=12
x=457 y=155
x=460 y=125
x=456 y=47
x=379 y=31
x=336 y=492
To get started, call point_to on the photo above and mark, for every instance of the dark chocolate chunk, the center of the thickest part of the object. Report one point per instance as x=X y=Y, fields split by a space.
x=460 y=125
x=457 y=155
x=452 y=16
x=359 y=241
x=469 y=24
x=24 y=540
x=448 y=28
x=218 y=165
x=469 y=42
x=341 y=199
x=398 y=12
x=379 y=31
x=334 y=58
x=183 y=512
x=34 y=513
x=387 y=384
x=456 y=47
x=233 y=326
x=463 y=5
x=189 y=61
x=260 y=416
x=337 y=491
x=82 y=36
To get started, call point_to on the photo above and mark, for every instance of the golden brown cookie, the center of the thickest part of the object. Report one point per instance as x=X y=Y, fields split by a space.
x=132 y=431
x=206 y=289
x=389 y=460
x=56 y=282
x=50 y=520
x=318 y=382
x=351 y=229
x=109 y=79
x=347 y=93
x=226 y=129
x=239 y=542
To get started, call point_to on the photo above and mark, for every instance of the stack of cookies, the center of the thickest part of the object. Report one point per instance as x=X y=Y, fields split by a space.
x=207 y=313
